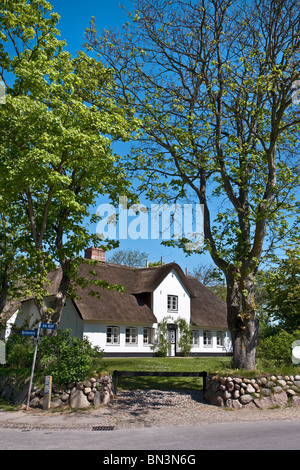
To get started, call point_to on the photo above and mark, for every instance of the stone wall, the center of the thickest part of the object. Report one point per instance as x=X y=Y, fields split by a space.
x=262 y=392
x=92 y=392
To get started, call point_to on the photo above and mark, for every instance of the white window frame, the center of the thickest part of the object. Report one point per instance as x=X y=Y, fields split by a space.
x=112 y=335
x=207 y=339
x=221 y=337
x=131 y=335
x=195 y=338
x=148 y=335
x=172 y=303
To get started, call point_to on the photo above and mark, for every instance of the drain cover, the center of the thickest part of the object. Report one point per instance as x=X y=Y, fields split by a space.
x=103 y=428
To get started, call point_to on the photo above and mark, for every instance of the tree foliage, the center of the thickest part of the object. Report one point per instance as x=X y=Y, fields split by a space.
x=56 y=130
x=283 y=292
x=129 y=257
x=212 y=83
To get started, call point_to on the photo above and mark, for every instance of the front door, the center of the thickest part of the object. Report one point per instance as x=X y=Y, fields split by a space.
x=172 y=340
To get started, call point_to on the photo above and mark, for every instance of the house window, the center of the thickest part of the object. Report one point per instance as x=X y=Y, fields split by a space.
x=195 y=338
x=221 y=335
x=172 y=303
x=148 y=336
x=113 y=335
x=207 y=338
x=131 y=336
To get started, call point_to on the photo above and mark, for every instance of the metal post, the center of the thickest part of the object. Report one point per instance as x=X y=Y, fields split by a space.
x=36 y=340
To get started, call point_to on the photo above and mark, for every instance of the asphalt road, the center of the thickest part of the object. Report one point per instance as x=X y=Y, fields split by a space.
x=262 y=435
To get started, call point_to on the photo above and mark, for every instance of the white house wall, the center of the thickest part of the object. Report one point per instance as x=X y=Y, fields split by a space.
x=71 y=319
x=28 y=311
x=214 y=348
x=171 y=285
x=96 y=334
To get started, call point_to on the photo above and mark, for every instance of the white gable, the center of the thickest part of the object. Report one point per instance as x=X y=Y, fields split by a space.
x=171 y=286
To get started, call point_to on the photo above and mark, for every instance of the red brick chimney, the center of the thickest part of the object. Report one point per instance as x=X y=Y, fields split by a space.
x=95 y=253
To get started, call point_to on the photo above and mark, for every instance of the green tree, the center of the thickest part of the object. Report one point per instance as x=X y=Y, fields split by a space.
x=211 y=277
x=129 y=257
x=56 y=129
x=283 y=292
x=212 y=82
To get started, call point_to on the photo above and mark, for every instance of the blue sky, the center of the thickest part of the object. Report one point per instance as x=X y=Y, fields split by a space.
x=75 y=17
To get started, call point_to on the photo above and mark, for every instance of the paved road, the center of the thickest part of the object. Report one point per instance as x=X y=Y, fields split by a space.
x=263 y=435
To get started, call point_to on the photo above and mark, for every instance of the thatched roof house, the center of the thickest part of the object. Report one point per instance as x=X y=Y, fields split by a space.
x=125 y=323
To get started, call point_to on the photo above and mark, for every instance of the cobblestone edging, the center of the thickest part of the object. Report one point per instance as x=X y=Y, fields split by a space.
x=261 y=392
x=84 y=394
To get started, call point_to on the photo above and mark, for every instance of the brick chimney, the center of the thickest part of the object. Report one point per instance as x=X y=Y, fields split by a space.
x=95 y=253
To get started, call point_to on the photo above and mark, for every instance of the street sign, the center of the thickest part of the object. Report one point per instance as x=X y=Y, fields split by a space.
x=48 y=326
x=28 y=332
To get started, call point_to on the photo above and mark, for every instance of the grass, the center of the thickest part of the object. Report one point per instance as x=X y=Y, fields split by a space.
x=221 y=365
x=212 y=365
x=164 y=364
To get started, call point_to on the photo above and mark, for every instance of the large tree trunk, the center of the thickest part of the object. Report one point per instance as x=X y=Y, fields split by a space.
x=54 y=315
x=61 y=295
x=242 y=320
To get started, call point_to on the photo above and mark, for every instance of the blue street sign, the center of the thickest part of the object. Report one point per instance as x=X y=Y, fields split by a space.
x=48 y=326
x=28 y=332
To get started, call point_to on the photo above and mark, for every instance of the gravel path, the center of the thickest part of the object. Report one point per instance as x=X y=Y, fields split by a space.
x=140 y=408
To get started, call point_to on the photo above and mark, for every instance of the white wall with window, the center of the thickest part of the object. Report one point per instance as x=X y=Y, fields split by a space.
x=171 y=298
x=210 y=340
x=114 y=338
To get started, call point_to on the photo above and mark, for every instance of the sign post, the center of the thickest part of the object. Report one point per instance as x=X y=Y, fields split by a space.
x=36 y=340
x=47 y=392
x=36 y=334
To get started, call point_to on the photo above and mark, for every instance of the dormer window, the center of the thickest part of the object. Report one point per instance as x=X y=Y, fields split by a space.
x=172 y=303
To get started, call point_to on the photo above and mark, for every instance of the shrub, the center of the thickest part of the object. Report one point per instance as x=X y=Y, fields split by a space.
x=67 y=358
x=19 y=350
x=278 y=348
x=162 y=343
x=185 y=340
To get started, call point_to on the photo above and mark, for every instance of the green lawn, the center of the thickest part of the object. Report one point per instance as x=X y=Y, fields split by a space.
x=161 y=364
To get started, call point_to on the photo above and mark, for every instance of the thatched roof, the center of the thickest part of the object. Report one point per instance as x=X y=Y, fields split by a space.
x=133 y=306
x=207 y=309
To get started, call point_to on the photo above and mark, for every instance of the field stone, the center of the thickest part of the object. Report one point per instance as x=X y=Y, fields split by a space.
x=230 y=386
x=105 y=397
x=281 y=382
x=237 y=380
x=97 y=398
x=226 y=395
x=245 y=399
x=250 y=389
x=78 y=399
